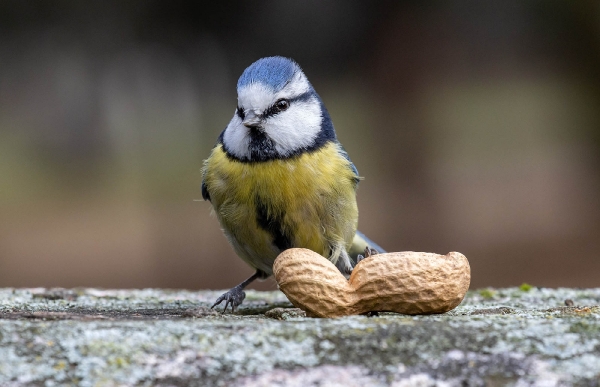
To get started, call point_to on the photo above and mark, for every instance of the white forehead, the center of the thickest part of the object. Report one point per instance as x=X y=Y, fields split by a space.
x=259 y=96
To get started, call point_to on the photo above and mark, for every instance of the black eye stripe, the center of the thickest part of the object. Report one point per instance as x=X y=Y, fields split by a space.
x=273 y=110
x=270 y=112
x=240 y=112
x=304 y=97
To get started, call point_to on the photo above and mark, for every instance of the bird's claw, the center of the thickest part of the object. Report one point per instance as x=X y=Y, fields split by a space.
x=233 y=297
x=368 y=252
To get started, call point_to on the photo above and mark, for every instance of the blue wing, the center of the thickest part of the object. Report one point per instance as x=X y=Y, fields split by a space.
x=360 y=240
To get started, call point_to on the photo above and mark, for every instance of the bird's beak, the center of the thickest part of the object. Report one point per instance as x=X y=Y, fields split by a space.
x=251 y=120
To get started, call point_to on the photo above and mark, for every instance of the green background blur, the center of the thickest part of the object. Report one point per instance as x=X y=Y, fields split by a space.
x=475 y=124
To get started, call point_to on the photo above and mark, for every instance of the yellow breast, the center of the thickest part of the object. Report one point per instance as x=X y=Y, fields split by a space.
x=264 y=207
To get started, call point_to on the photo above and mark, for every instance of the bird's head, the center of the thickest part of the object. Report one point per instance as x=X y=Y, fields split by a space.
x=278 y=115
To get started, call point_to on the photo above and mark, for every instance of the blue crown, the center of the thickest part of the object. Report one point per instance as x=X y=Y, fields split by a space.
x=273 y=71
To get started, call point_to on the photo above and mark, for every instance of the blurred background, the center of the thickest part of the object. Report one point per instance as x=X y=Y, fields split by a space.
x=475 y=124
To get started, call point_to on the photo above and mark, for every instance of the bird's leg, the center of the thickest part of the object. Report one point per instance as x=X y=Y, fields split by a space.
x=235 y=296
x=368 y=252
x=344 y=264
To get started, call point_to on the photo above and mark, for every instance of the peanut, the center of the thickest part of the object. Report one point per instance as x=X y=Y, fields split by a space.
x=404 y=282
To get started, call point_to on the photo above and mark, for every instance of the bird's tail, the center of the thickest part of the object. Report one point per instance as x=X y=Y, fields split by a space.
x=359 y=243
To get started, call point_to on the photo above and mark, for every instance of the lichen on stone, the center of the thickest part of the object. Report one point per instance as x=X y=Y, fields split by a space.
x=95 y=337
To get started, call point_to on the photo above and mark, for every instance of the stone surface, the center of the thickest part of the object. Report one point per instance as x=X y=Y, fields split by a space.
x=89 y=337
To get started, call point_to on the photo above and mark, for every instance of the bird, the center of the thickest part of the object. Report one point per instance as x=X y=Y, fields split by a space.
x=278 y=178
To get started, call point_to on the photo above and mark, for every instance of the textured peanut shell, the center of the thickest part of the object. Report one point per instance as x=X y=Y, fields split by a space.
x=404 y=282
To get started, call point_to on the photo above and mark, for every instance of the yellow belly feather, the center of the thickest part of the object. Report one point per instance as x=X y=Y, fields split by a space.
x=314 y=192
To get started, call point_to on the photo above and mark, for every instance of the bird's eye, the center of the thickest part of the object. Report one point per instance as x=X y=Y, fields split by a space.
x=282 y=104
x=240 y=112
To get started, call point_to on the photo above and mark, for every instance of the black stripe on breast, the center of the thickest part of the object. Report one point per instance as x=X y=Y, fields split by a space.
x=272 y=224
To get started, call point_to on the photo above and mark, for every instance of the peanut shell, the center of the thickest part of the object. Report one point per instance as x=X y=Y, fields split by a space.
x=403 y=282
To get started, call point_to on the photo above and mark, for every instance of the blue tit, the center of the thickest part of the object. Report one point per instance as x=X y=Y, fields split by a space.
x=278 y=178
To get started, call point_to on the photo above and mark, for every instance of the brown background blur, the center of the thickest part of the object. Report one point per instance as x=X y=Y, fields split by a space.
x=475 y=124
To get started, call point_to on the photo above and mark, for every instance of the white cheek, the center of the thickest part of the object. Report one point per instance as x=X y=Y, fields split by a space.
x=295 y=128
x=236 y=138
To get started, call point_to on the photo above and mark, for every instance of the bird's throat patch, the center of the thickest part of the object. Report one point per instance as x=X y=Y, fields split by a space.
x=261 y=146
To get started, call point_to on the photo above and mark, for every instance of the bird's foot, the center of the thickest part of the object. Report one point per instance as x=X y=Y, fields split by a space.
x=368 y=252
x=233 y=297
